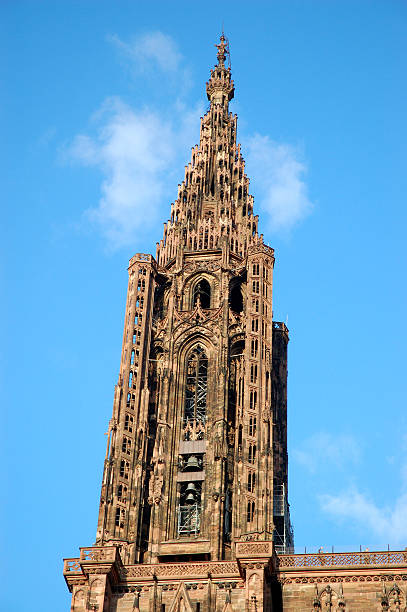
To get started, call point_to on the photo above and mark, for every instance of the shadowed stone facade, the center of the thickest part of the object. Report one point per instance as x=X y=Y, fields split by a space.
x=193 y=512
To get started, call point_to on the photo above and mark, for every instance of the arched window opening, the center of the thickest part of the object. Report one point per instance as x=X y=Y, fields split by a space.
x=126 y=445
x=132 y=357
x=121 y=493
x=252 y=426
x=128 y=423
x=240 y=437
x=130 y=380
x=237 y=349
x=236 y=299
x=253 y=400
x=120 y=516
x=267 y=384
x=195 y=395
x=255 y=325
x=203 y=290
x=252 y=453
x=124 y=469
x=251 y=482
x=254 y=347
x=250 y=511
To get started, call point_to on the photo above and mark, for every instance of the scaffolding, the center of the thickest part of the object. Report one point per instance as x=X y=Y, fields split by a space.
x=189 y=519
x=283 y=535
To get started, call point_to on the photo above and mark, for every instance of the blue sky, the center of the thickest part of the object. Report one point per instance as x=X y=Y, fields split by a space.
x=100 y=108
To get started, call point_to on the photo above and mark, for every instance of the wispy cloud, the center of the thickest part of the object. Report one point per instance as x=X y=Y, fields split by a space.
x=385 y=521
x=152 y=50
x=324 y=448
x=135 y=150
x=279 y=171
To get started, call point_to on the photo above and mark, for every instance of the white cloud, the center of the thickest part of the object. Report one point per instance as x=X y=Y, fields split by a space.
x=324 y=448
x=136 y=151
x=151 y=50
x=278 y=172
x=387 y=522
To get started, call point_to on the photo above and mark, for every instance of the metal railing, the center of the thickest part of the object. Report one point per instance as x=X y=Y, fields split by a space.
x=343 y=559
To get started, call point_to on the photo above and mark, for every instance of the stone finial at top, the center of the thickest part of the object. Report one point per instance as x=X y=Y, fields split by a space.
x=220 y=87
x=223 y=50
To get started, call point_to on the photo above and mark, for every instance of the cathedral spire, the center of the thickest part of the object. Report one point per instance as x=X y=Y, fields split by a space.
x=213 y=206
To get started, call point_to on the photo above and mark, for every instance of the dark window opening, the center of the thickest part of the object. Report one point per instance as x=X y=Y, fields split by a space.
x=124 y=469
x=122 y=493
x=237 y=349
x=236 y=299
x=203 y=290
x=119 y=518
x=253 y=400
x=128 y=423
x=251 y=482
x=252 y=453
x=240 y=436
x=250 y=511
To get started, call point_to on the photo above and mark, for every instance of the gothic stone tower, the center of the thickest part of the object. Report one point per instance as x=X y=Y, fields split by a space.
x=196 y=460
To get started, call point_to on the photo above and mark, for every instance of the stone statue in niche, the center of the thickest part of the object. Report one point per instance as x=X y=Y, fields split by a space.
x=220 y=444
x=156 y=484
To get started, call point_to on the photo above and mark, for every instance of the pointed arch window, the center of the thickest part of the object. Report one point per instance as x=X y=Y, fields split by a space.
x=252 y=453
x=120 y=517
x=122 y=493
x=195 y=394
x=250 y=511
x=251 y=482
